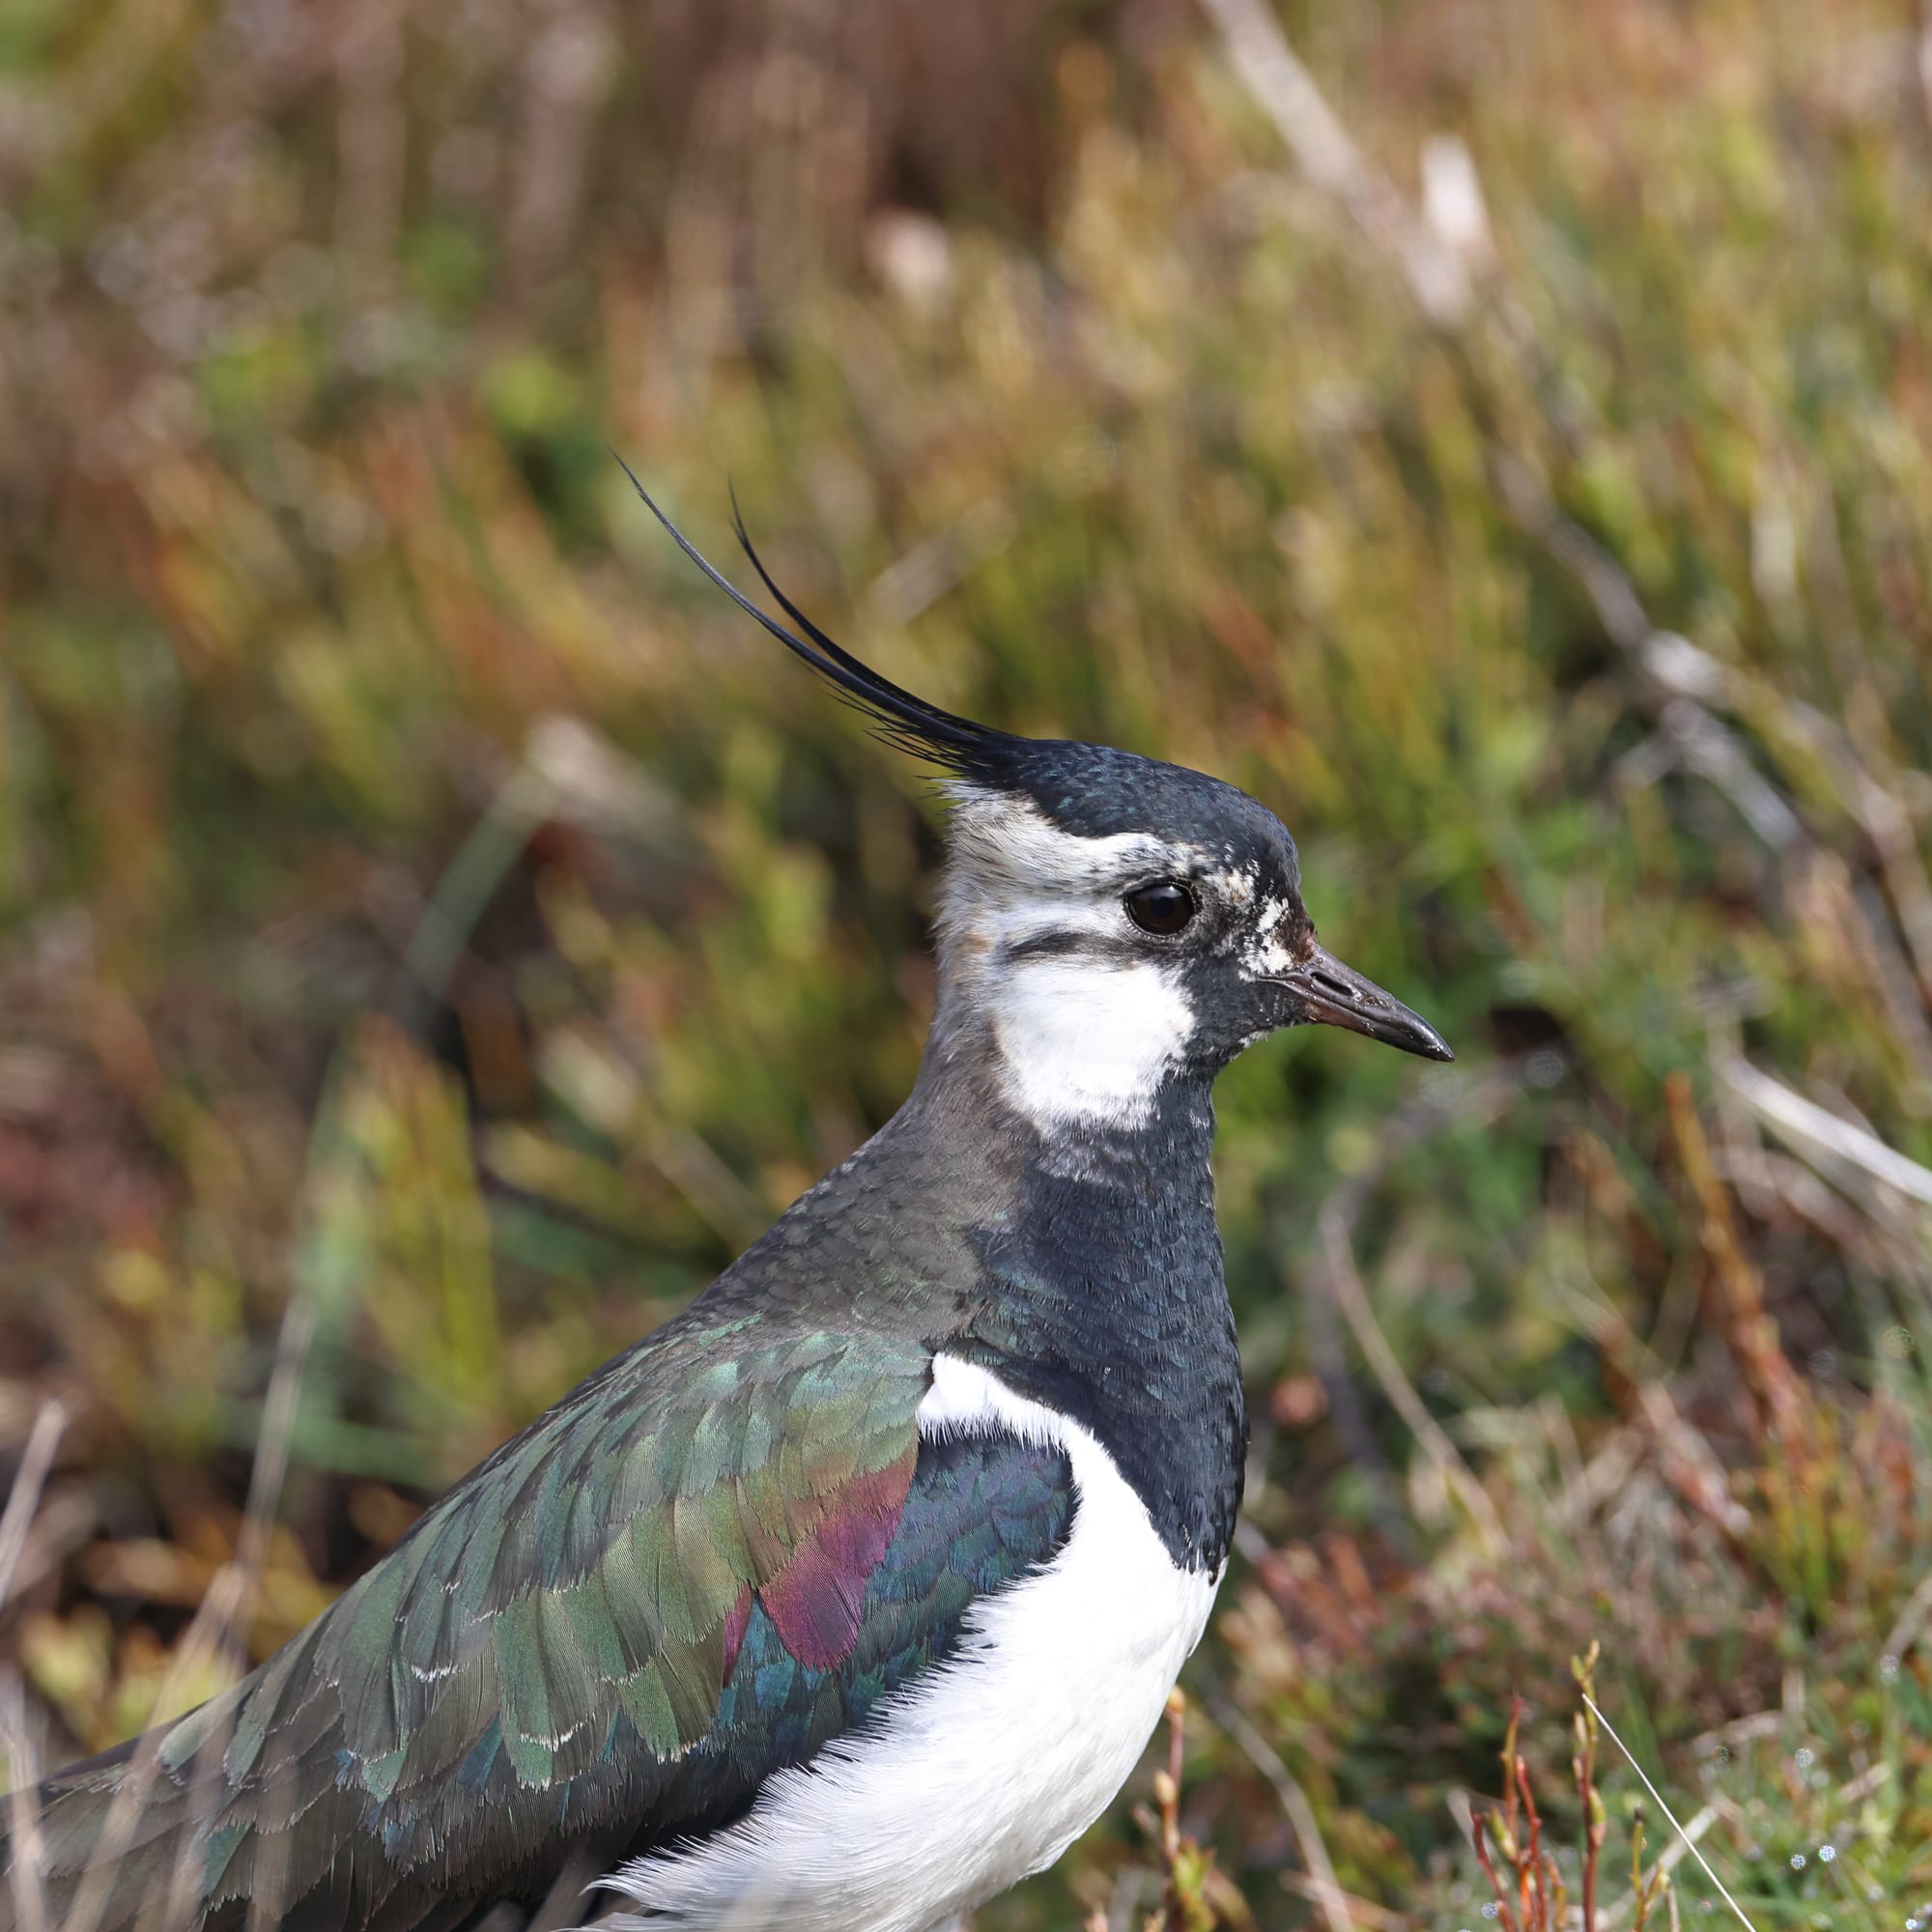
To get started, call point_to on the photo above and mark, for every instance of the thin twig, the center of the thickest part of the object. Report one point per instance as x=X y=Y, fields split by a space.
x=1609 y=1729
x=1433 y=272
x=1806 y=1126
x=1910 y=1623
x=468 y=883
x=1924 y=57
x=36 y=1458
x=26 y=1875
x=202 y=1642
x=1591 y=1804
x=26 y=1870
x=1345 y=1282
x=1483 y=1098
x=1363 y=1912
x=1163 y=1823
x=270 y=1471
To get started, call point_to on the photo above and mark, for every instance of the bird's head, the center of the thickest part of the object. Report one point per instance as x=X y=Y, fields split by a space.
x=1107 y=922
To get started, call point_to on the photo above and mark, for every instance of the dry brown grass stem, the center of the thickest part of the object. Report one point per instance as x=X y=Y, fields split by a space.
x=36 y=1458
x=26 y=1884
x=1172 y=1914
x=271 y=1468
x=1322 y=1886
x=1363 y=1912
x=1435 y=275
x=1345 y=1282
x=192 y=1657
x=251 y=1549
x=26 y=1880
x=1808 y=1127
x=1590 y=1804
x=1752 y=1332
x=1909 y=1625
x=1481 y=1100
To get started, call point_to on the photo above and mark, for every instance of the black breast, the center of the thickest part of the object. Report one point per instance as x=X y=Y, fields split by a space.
x=1105 y=1299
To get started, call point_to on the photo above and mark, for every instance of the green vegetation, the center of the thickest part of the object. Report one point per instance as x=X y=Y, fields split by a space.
x=420 y=896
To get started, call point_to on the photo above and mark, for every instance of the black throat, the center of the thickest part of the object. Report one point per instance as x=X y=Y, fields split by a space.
x=1108 y=1304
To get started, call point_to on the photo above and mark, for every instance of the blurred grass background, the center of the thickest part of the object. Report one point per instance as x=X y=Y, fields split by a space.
x=422 y=899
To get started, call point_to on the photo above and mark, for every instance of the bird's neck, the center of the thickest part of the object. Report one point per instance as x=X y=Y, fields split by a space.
x=1100 y=1284
x=1101 y=1162
x=1078 y=1261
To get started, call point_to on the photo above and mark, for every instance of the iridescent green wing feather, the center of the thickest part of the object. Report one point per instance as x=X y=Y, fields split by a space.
x=550 y=1641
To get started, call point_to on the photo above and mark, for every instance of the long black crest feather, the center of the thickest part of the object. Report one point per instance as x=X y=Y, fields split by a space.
x=942 y=738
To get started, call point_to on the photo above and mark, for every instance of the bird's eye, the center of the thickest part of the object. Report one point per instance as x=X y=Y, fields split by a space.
x=1162 y=909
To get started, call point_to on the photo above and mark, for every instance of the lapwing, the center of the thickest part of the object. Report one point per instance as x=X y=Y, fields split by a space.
x=851 y=1595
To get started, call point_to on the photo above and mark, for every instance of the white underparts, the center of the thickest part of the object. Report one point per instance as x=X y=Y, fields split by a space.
x=986 y=1768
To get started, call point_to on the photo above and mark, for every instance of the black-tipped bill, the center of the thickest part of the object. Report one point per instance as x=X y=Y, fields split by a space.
x=1333 y=994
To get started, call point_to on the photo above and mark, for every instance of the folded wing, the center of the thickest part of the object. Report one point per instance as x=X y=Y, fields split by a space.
x=677 y=1581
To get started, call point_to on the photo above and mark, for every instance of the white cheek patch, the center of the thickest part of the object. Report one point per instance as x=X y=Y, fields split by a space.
x=1082 y=1039
x=1085 y=1043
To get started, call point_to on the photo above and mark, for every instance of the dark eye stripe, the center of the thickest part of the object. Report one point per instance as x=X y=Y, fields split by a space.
x=1063 y=945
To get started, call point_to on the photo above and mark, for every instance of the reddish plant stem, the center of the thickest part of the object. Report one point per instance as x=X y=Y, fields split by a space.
x=1503 y=1908
x=1529 y=1873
